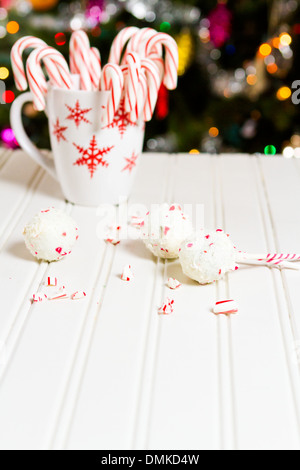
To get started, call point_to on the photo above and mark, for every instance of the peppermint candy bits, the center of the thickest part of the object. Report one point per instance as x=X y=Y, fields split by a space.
x=78 y=295
x=50 y=235
x=167 y=308
x=127 y=274
x=225 y=307
x=208 y=257
x=172 y=283
x=164 y=230
x=39 y=297
x=51 y=281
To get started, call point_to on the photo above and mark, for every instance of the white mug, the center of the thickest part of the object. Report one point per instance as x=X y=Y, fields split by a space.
x=93 y=164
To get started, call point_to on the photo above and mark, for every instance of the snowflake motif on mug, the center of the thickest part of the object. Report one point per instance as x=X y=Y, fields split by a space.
x=130 y=162
x=121 y=119
x=58 y=131
x=77 y=114
x=92 y=156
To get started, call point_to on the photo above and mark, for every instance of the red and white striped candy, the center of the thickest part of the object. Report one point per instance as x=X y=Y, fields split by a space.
x=119 y=43
x=271 y=258
x=131 y=83
x=111 y=80
x=138 y=41
x=39 y=297
x=51 y=281
x=78 y=295
x=171 y=57
x=27 y=42
x=172 y=283
x=153 y=76
x=225 y=307
x=167 y=307
x=278 y=258
x=57 y=69
x=127 y=273
x=80 y=58
x=95 y=70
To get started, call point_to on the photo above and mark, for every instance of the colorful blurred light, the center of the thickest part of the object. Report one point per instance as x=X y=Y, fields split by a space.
x=60 y=39
x=165 y=26
x=213 y=132
x=284 y=93
x=270 y=150
x=285 y=39
x=265 y=50
x=8 y=96
x=8 y=138
x=252 y=79
x=12 y=27
x=4 y=73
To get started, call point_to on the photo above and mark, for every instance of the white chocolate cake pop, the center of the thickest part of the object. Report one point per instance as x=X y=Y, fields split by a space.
x=208 y=256
x=50 y=235
x=165 y=228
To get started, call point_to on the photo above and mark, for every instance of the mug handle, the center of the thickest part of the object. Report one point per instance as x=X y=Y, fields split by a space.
x=23 y=139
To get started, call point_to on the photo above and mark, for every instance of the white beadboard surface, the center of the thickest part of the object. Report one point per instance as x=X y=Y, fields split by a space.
x=107 y=372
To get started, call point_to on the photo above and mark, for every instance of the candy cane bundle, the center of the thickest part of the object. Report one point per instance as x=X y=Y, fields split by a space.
x=57 y=69
x=137 y=67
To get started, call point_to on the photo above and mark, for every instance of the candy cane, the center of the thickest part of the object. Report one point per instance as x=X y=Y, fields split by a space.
x=111 y=80
x=57 y=69
x=171 y=58
x=95 y=71
x=153 y=75
x=138 y=41
x=131 y=84
x=16 y=59
x=119 y=42
x=80 y=58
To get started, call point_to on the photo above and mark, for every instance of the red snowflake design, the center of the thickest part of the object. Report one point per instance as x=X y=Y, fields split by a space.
x=58 y=131
x=92 y=156
x=131 y=162
x=121 y=119
x=77 y=114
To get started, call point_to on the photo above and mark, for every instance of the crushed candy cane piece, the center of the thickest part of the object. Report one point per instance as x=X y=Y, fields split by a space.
x=225 y=307
x=78 y=295
x=39 y=297
x=127 y=274
x=172 y=283
x=114 y=235
x=59 y=296
x=167 y=307
x=137 y=221
x=51 y=281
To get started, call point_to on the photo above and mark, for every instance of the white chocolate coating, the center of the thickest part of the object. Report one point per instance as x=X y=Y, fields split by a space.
x=208 y=256
x=50 y=235
x=165 y=228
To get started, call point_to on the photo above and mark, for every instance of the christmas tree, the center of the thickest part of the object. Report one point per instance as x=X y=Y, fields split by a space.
x=236 y=67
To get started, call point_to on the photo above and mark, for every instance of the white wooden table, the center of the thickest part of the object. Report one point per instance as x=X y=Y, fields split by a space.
x=108 y=372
